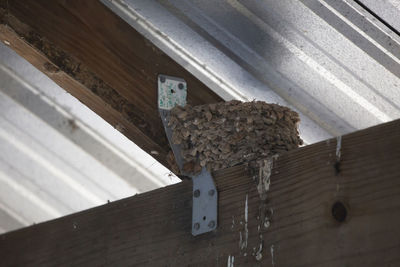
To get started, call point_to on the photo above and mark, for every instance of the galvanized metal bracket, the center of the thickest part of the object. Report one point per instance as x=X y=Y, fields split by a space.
x=205 y=203
x=172 y=91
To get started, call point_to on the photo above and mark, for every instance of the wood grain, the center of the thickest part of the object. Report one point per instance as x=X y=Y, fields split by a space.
x=153 y=229
x=102 y=61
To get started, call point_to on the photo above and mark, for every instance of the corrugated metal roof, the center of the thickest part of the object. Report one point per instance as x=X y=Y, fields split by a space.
x=331 y=60
x=58 y=157
x=388 y=11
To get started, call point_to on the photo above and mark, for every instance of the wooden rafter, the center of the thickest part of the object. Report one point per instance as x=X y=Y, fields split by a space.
x=321 y=210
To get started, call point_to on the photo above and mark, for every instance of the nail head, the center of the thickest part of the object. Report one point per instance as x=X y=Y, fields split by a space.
x=211 y=224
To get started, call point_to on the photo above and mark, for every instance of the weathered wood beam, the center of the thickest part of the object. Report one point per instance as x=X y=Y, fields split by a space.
x=97 y=57
x=321 y=210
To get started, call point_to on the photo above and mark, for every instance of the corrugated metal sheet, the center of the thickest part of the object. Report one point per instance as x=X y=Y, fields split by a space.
x=331 y=60
x=386 y=10
x=58 y=157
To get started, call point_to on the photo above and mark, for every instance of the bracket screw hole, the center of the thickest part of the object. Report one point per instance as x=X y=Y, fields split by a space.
x=196 y=193
x=204 y=218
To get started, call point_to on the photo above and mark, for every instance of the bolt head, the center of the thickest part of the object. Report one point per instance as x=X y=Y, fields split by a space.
x=196 y=226
x=180 y=86
x=162 y=79
x=196 y=193
x=211 y=224
x=211 y=192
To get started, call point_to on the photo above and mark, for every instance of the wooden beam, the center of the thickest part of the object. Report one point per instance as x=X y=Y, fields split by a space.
x=97 y=57
x=321 y=210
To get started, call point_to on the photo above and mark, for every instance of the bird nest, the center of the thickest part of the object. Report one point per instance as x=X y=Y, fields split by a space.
x=226 y=134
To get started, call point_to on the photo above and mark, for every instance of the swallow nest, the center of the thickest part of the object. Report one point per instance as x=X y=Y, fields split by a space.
x=226 y=134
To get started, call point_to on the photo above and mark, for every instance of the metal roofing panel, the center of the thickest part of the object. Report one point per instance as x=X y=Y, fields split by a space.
x=387 y=10
x=330 y=60
x=58 y=157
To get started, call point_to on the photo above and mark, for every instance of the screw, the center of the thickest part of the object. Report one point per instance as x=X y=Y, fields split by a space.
x=196 y=226
x=180 y=86
x=196 y=193
x=211 y=192
x=162 y=79
x=211 y=224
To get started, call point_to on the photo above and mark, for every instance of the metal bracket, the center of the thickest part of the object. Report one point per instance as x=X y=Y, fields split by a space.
x=172 y=91
x=205 y=203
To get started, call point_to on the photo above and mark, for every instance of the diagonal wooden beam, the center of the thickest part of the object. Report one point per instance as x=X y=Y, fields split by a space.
x=97 y=57
x=322 y=209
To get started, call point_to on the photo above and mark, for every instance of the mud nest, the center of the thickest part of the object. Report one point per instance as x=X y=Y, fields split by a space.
x=226 y=134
